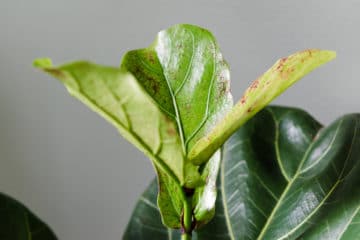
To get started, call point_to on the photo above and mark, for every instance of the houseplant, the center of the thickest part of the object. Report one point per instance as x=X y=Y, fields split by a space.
x=279 y=173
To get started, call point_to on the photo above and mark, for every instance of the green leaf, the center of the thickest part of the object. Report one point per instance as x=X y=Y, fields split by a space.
x=146 y=222
x=117 y=96
x=185 y=73
x=284 y=176
x=162 y=99
x=262 y=91
x=280 y=174
x=18 y=223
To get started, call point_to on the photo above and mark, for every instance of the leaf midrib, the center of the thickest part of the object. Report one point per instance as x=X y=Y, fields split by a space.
x=132 y=134
x=185 y=141
x=290 y=183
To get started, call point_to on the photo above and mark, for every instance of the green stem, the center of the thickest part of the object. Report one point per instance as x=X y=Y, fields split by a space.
x=185 y=236
x=187 y=220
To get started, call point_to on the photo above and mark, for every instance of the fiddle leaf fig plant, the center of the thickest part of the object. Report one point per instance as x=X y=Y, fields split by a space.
x=283 y=176
x=216 y=177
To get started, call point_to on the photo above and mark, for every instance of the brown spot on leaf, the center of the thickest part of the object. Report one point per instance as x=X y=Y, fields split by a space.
x=171 y=131
x=281 y=63
x=56 y=72
x=254 y=85
x=243 y=100
x=151 y=58
x=155 y=86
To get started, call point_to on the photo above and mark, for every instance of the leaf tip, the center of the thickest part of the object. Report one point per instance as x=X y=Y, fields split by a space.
x=329 y=54
x=42 y=63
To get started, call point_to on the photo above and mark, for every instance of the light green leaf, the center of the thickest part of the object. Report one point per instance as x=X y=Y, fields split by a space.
x=117 y=96
x=262 y=91
x=162 y=99
x=19 y=223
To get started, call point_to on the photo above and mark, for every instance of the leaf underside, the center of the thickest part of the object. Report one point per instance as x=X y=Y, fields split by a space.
x=283 y=176
x=18 y=223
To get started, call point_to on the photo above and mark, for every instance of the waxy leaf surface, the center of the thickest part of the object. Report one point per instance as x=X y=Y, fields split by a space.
x=284 y=176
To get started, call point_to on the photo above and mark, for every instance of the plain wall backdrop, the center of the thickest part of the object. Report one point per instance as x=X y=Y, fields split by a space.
x=69 y=165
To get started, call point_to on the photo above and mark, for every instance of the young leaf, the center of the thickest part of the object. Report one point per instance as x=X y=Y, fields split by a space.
x=283 y=176
x=163 y=99
x=205 y=196
x=272 y=83
x=185 y=73
x=18 y=223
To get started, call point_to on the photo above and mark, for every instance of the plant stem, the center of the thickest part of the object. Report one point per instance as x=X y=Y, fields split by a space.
x=187 y=220
x=185 y=236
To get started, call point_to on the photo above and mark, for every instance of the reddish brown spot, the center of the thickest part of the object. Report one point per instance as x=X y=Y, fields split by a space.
x=243 y=100
x=56 y=72
x=171 y=131
x=254 y=84
x=167 y=119
x=249 y=110
x=150 y=57
x=281 y=63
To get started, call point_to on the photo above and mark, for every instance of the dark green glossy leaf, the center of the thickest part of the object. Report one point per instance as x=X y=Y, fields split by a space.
x=18 y=223
x=280 y=174
x=284 y=176
x=146 y=222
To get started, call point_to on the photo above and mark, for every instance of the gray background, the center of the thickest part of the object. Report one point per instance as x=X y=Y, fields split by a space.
x=69 y=165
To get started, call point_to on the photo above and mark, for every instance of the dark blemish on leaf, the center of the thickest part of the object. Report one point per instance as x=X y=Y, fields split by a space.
x=249 y=110
x=254 y=85
x=310 y=52
x=223 y=88
x=56 y=72
x=155 y=86
x=150 y=57
x=167 y=119
x=281 y=63
x=171 y=131
x=243 y=100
